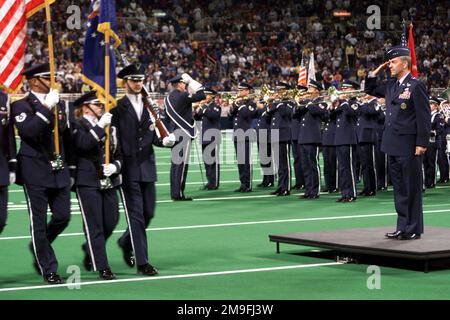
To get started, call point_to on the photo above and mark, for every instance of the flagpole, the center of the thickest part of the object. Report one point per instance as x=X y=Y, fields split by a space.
x=52 y=73
x=107 y=89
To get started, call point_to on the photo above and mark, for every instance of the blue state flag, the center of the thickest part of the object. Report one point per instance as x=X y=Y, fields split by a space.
x=101 y=19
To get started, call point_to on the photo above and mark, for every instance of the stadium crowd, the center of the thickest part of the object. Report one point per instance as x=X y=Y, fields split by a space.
x=223 y=42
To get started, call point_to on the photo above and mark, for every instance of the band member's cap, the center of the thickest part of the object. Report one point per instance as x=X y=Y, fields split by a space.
x=244 y=86
x=283 y=86
x=313 y=83
x=37 y=71
x=350 y=84
x=87 y=98
x=210 y=91
x=135 y=71
x=397 y=51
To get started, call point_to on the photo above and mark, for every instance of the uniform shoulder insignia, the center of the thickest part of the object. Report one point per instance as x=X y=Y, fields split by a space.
x=251 y=108
x=151 y=127
x=21 y=117
x=354 y=106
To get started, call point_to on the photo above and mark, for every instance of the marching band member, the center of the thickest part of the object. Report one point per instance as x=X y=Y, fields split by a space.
x=405 y=138
x=243 y=111
x=381 y=157
x=280 y=129
x=329 y=151
x=264 y=144
x=44 y=176
x=311 y=115
x=137 y=135
x=179 y=110
x=345 y=140
x=96 y=183
x=295 y=147
x=441 y=140
x=367 y=114
x=209 y=114
x=7 y=156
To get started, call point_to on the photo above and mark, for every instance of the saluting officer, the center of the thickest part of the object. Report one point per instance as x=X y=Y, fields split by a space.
x=209 y=114
x=96 y=182
x=137 y=135
x=43 y=174
x=280 y=130
x=178 y=106
x=345 y=140
x=264 y=145
x=243 y=111
x=311 y=116
x=430 y=156
x=405 y=138
x=7 y=156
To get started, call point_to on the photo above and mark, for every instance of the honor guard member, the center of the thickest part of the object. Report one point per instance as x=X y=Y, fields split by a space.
x=264 y=145
x=311 y=116
x=96 y=182
x=441 y=141
x=44 y=175
x=209 y=115
x=430 y=157
x=7 y=156
x=295 y=147
x=178 y=106
x=405 y=138
x=280 y=129
x=243 y=111
x=329 y=151
x=137 y=135
x=345 y=140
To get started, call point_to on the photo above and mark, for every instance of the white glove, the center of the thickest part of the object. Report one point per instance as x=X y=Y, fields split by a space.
x=109 y=169
x=186 y=78
x=12 y=177
x=105 y=120
x=51 y=99
x=169 y=141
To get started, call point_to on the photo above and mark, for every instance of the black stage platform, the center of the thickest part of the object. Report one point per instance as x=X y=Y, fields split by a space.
x=434 y=244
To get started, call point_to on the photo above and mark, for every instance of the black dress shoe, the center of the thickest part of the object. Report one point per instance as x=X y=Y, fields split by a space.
x=238 y=190
x=262 y=185
x=326 y=190
x=127 y=256
x=275 y=193
x=393 y=235
x=283 y=193
x=315 y=196
x=371 y=193
x=299 y=187
x=350 y=199
x=245 y=190
x=270 y=184
x=362 y=193
x=304 y=196
x=53 y=278
x=340 y=199
x=333 y=191
x=381 y=189
x=107 y=274
x=408 y=236
x=147 y=270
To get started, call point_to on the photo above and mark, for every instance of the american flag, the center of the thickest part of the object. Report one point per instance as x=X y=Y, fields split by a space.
x=13 y=38
x=302 y=74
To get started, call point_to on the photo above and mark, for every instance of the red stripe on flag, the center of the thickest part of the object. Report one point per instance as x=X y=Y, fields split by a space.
x=4 y=22
x=14 y=61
